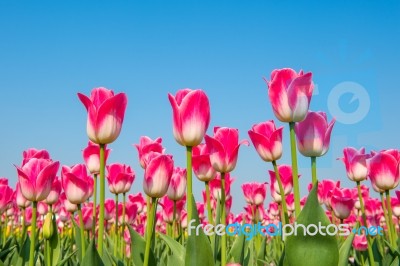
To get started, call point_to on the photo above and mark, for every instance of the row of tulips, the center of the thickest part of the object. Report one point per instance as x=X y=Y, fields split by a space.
x=59 y=215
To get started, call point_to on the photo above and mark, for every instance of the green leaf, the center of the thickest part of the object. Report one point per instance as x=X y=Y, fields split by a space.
x=237 y=251
x=198 y=248
x=307 y=250
x=261 y=253
x=78 y=243
x=5 y=252
x=92 y=257
x=345 y=250
x=138 y=246
x=66 y=258
x=23 y=257
x=54 y=241
x=178 y=251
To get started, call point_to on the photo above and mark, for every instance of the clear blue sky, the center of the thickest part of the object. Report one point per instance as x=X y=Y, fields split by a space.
x=51 y=50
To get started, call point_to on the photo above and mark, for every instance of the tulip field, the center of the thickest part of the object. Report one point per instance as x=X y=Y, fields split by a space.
x=59 y=215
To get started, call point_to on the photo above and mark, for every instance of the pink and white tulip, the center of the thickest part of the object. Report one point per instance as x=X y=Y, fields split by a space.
x=314 y=134
x=6 y=197
x=201 y=163
x=34 y=153
x=76 y=183
x=342 y=202
x=36 y=177
x=267 y=140
x=356 y=163
x=384 y=169
x=177 y=186
x=224 y=148
x=191 y=116
x=120 y=178
x=158 y=175
x=52 y=198
x=146 y=146
x=91 y=156
x=254 y=193
x=106 y=113
x=290 y=94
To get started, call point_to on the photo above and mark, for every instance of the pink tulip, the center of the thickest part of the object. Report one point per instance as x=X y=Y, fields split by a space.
x=267 y=140
x=273 y=209
x=42 y=208
x=215 y=186
x=76 y=184
x=69 y=207
x=290 y=202
x=384 y=169
x=168 y=209
x=290 y=94
x=52 y=198
x=130 y=213
x=285 y=173
x=177 y=186
x=325 y=188
x=157 y=175
x=201 y=163
x=87 y=217
x=224 y=148
x=342 y=202
x=91 y=156
x=3 y=181
x=360 y=242
x=356 y=163
x=314 y=134
x=138 y=200
x=254 y=193
x=120 y=178
x=146 y=146
x=34 y=153
x=105 y=114
x=364 y=194
x=21 y=201
x=109 y=209
x=36 y=177
x=191 y=116
x=6 y=197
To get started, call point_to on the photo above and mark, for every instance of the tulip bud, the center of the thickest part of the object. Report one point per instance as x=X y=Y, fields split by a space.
x=48 y=226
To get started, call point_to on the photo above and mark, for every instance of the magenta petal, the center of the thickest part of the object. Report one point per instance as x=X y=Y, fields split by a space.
x=177 y=123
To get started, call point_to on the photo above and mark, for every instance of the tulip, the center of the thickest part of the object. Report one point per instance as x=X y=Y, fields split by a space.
x=191 y=116
x=157 y=176
x=42 y=208
x=201 y=163
x=216 y=188
x=267 y=140
x=120 y=178
x=3 y=181
x=146 y=146
x=109 y=209
x=360 y=242
x=383 y=169
x=36 y=177
x=171 y=211
x=105 y=114
x=52 y=198
x=34 y=153
x=6 y=197
x=342 y=203
x=286 y=175
x=254 y=193
x=314 y=134
x=137 y=200
x=356 y=163
x=76 y=183
x=177 y=186
x=21 y=201
x=290 y=94
x=224 y=148
x=91 y=156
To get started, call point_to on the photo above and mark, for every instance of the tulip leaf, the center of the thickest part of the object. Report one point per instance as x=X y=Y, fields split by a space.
x=138 y=246
x=237 y=251
x=198 y=248
x=261 y=252
x=24 y=253
x=344 y=250
x=177 y=249
x=307 y=250
x=92 y=257
x=66 y=258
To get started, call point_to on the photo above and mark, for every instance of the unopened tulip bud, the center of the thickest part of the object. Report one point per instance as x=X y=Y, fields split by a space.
x=48 y=227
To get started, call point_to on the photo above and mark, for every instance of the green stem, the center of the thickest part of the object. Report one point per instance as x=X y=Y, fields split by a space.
x=149 y=229
x=384 y=208
x=47 y=253
x=23 y=225
x=296 y=188
x=33 y=234
x=116 y=226
x=189 y=192
x=174 y=221
x=148 y=206
x=210 y=216
x=284 y=214
x=102 y=200
x=223 y=220
x=392 y=232
x=370 y=254
x=314 y=170
x=82 y=232
x=94 y=205
x=123 y=224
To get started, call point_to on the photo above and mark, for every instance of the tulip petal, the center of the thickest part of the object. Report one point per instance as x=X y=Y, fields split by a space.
x=177 y=124
x=45 y=180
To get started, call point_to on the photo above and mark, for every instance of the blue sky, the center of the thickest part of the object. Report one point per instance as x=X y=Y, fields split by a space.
x=51 y=50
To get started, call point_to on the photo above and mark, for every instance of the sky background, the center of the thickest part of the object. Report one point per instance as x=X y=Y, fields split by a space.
x=51 y=50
